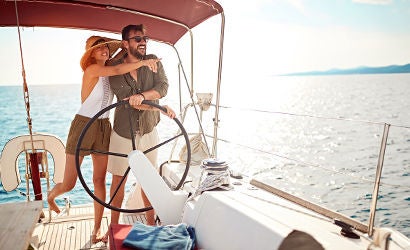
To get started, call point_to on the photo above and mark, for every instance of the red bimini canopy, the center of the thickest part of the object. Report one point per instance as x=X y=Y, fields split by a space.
x=166 y=20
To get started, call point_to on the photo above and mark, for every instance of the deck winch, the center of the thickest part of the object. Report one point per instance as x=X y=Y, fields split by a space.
x=214 y=174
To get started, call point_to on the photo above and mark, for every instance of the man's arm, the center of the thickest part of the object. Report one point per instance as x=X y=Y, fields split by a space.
x=157 y=90
x=160 y=81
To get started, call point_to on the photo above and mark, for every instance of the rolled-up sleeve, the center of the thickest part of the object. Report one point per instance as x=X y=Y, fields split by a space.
x=161 y=81
x=157 y=81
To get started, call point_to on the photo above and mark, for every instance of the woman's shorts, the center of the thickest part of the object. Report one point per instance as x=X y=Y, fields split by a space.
x=97 y=136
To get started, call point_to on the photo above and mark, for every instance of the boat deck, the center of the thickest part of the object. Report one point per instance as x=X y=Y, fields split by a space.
x=73 y=230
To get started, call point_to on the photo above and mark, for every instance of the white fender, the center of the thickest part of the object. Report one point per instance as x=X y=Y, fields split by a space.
x=9 y=172
x=168 y=204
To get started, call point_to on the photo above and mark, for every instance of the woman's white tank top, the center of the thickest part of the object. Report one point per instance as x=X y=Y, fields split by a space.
x=100 y=97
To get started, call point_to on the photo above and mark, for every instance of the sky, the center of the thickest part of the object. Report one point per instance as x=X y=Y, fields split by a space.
x=266 y=37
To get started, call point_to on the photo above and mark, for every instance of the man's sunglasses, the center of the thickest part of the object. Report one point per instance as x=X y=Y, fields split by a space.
x=138 y=39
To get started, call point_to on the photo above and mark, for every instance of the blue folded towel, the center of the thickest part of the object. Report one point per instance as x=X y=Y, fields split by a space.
x=141 y=236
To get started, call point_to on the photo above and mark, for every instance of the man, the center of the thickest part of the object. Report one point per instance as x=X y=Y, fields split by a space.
x=145 y=83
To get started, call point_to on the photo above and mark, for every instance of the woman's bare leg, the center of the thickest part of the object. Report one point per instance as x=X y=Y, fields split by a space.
x=99 y=170
x=69 y=180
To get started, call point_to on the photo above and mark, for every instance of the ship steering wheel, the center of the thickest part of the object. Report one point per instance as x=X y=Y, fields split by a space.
x=84 y=131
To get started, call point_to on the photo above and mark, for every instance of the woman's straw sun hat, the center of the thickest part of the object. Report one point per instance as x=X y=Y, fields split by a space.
x=95 y=41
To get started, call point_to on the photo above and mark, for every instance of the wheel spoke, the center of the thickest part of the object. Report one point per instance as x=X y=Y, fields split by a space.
x=131 y=130
x=162 y=143
x=119 y=185
x=105 y=152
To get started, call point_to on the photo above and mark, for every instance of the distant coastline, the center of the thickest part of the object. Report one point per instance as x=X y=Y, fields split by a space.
x=392 y=69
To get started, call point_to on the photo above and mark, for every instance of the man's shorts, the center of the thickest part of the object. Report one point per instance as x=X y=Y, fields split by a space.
x=97 y=136
x=118 y=165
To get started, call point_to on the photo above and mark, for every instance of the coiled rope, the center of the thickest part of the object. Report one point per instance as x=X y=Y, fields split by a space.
x=212 y=177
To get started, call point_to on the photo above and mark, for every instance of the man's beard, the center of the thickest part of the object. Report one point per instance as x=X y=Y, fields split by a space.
x=135 y=53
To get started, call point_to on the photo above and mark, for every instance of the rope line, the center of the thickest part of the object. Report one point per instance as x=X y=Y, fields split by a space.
x=308 y=164
x=314 y=165
x=211 y=179
x=315 y=116
x=25 y=87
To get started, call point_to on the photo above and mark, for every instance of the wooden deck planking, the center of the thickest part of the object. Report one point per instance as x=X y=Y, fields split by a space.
x=17 y=222
x=74 y=231
x=85 y=233
x=58 y=238
x=51 y=236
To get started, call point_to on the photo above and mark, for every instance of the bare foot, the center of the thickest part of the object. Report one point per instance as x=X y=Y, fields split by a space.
x=52 y=204
x=95 y=237
x=105 y=237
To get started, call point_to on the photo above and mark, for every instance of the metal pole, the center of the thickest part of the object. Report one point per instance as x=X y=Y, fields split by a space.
x=218 y=90
x=378 y=176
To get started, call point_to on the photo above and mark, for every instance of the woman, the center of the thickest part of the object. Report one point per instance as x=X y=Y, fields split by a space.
x=95 y=95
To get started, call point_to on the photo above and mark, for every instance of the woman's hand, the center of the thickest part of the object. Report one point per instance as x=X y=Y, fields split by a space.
x=151 y=64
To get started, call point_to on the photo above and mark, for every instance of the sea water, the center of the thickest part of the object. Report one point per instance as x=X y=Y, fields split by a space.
x=317 y=137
